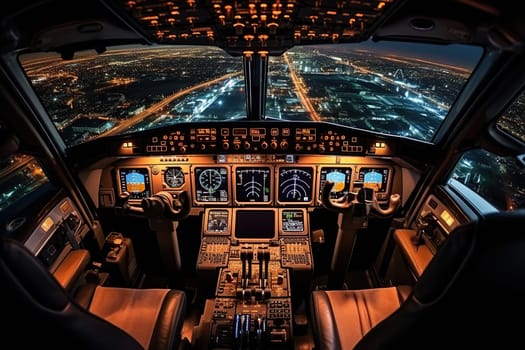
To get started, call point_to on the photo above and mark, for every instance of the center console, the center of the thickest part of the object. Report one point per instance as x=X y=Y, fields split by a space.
x=259 y=258
x=255 y=262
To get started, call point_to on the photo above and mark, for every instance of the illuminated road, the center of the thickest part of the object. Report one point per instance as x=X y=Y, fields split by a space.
x=139 y=117
x=301 y=92
x=416 y=92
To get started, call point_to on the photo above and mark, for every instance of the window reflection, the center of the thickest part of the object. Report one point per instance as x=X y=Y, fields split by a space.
x=498 y=180
x=20 y=175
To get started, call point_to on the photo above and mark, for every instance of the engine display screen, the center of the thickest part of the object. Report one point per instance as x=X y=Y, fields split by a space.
x=217 y=221
x=340 y=176
x=254 y=224
x=253 y=185
x=136 y=182
x=295 y=184
x=293 y=221
x=211 y=184
x=374 y=178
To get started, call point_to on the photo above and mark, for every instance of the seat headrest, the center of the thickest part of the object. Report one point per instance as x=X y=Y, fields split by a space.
x=27 y=278
x=9 y=142
x=38 y=309
x=472 y=292
x=484 y=256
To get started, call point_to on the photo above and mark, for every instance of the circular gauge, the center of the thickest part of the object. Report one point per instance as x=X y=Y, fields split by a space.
x=174 y=177
x=210 y=179
x=295 y=184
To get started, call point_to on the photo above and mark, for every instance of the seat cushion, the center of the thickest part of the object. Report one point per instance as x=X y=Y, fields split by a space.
x=38 y=309
x=154 y=317
x=341 y=317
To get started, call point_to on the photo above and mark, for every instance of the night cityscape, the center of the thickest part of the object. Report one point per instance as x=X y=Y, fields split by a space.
x=127 y=91
x=130 y=91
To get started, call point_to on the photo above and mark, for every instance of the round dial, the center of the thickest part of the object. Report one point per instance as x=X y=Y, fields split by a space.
x=210 y=179
x=174 y=177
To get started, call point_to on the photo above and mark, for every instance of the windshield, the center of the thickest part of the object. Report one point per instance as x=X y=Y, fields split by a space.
x=395 y=89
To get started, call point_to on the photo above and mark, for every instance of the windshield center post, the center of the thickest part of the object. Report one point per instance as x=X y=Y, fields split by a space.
x=256 y=74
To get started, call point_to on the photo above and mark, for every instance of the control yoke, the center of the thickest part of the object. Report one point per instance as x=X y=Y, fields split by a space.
x=172 y=205
x=365 y=196
x=168 y=205
x=353 y=210
x=164 y=210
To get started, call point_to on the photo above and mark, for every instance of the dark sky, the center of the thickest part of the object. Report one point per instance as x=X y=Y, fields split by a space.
x=466 y=56
x=462 y=56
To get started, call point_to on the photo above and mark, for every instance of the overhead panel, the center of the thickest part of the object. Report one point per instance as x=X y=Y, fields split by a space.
x=255 y=25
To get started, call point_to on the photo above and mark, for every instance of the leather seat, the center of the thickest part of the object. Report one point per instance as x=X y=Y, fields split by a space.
x=37 y=310
x=471 y=293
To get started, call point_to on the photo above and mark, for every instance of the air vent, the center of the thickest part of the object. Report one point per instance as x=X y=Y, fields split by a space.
x=422 y=24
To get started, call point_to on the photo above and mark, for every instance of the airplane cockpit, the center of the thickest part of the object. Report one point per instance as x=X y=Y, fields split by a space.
x=248 y=175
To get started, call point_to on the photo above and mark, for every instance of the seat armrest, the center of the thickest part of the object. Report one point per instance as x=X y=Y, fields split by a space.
x=70 y=269
x=417 y=256
x=84 y=294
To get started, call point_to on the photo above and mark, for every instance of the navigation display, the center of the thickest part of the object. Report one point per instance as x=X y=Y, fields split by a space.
x=295 y=184
x=340 y=176
x=253 y=185
x=135 y=181
x=211 y=184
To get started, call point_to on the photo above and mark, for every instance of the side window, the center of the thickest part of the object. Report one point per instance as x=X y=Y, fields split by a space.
x=490 y=181
x=24 y=187
x=512 y=122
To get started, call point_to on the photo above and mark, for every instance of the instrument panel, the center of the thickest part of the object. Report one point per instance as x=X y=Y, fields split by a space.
x=211 y=185
x=174 y=177
x=238 y=222
x=135 y=182
x=376 y=178
x=251 y=180
x=270 y=137
x=295 y=184
x=253 y=185
x=341 y=176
